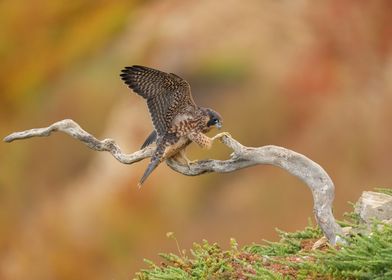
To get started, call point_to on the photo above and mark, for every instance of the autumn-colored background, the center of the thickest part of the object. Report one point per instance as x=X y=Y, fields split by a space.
x=312 y=77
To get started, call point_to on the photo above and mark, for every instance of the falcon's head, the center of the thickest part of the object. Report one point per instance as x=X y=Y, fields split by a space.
x=214 y=119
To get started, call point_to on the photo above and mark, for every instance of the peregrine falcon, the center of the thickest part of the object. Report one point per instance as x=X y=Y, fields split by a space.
x=177 y=119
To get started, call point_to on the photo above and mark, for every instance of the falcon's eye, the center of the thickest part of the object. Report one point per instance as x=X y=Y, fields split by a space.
x=212 y=121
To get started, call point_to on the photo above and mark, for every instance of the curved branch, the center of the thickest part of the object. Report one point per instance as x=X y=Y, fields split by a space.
x=312 y=174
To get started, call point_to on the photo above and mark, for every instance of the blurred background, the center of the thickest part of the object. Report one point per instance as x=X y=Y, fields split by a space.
x=315 y=78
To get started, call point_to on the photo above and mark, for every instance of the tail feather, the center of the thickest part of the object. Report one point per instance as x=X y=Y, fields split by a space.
x=155 y=159
x=150 y=168
x=150 y=139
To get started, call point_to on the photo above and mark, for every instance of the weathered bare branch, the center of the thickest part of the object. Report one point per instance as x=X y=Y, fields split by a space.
x=312 y=174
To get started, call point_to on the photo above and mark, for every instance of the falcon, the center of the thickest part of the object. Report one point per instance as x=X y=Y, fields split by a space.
x=176 y=118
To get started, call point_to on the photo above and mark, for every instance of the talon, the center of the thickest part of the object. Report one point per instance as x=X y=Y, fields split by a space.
x=221 y=135
x=183 y=159
x=189 y=162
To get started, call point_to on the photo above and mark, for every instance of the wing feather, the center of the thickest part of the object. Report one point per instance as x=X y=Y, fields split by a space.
x=167 y=94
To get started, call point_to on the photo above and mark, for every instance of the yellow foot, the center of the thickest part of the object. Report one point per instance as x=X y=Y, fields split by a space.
x=189 y=162
x=220 y=135
x=182 y=158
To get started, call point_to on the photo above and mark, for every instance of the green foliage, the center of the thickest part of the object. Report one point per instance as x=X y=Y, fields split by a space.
x=384 y=190
x=290 y=243
x=209 y=261
x=352 y=219
x=364 y=257
x=361 y=257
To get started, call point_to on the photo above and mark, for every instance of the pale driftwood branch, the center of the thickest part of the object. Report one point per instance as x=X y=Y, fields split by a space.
x=312 y=174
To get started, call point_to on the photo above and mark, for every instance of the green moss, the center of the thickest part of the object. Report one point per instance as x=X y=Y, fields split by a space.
x=364 y=257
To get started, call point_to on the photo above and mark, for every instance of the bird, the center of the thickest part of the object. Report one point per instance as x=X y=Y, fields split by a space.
x=176 y=118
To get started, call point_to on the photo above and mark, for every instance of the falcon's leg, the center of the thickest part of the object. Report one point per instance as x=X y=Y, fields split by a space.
x=182 y=158
x=201 y=139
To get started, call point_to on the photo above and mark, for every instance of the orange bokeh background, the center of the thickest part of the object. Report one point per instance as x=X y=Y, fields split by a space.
x=312 y=77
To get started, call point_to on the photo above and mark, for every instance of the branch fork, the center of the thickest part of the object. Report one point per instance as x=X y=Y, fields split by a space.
x=312 y=174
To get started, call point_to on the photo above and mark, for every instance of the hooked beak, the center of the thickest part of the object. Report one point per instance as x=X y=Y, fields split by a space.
x=218 y=125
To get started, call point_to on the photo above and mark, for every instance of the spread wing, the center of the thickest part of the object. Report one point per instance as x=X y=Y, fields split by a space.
x=167 y=94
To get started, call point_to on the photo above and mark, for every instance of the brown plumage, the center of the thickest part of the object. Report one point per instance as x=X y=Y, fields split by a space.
x=177 y=120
